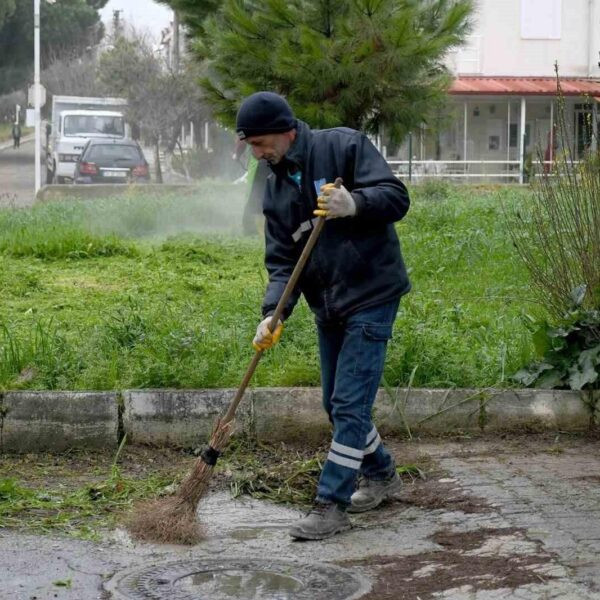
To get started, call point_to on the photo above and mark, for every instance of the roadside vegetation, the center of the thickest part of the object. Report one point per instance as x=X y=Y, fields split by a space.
x=557 y=236
x=161 y=291
x=6 y=132
x=81 y=493
x=85 y=494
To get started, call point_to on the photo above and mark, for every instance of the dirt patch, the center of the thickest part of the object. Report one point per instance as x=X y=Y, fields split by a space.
x=590 y=478
x=73 y=469
x=424 y=576
x=470 y=540
x=434 y=494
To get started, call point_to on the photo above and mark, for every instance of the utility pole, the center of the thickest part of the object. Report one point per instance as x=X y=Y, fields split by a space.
x=37 y=94
x=117 y=23
x=175 y=55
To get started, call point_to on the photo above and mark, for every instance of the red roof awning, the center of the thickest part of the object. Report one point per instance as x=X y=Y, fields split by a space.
x=523 y=86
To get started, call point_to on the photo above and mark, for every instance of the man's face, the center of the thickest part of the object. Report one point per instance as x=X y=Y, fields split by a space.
x=271 y=146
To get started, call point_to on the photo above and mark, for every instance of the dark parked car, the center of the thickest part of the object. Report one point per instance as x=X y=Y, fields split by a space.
x=111 y=161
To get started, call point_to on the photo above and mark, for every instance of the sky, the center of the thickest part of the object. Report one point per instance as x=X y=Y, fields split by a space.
x=144 y=15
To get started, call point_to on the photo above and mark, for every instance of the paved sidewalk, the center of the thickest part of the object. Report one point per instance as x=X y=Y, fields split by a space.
x=514 y=518
x=17 y=174
x=9 y=143
x=553 y=496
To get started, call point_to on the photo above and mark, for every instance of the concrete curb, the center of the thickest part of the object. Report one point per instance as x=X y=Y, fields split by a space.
x=177 y=417
x=55 y=421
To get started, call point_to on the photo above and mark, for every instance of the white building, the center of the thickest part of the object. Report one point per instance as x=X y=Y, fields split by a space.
x=504 y=100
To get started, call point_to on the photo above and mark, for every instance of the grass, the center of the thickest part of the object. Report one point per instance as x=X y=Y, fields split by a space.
x=81 y=494
x=161 y=291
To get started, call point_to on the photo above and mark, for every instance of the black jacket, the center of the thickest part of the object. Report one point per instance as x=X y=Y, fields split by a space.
x=356 y=262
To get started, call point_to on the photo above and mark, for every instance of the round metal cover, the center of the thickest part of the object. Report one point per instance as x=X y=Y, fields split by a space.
x=236 y=579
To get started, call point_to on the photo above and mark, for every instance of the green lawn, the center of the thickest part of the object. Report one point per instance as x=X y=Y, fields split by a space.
x=148 y=291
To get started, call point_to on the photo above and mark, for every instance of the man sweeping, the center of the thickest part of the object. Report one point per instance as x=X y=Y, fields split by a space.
x=352 y=282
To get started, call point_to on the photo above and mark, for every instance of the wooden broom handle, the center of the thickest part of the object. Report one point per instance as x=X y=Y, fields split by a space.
x=287 y=292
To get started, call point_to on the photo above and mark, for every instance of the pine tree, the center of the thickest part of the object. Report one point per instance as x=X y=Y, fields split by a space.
x=193 y=12
x=67 y=29
x=359 y=63
x=7 y=7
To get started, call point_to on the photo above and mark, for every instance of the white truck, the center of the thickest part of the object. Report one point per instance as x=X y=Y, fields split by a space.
x=76 y=119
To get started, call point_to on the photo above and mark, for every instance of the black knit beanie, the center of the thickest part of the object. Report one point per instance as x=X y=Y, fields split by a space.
x=262 y=113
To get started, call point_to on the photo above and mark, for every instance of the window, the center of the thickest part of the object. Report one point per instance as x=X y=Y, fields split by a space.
x=94 y=124
x=541 y=19
x=514 y=132
x=514 y=135
x=113 y=152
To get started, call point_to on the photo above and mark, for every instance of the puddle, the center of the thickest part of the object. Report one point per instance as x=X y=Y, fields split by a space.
x=242 y=519
x=234 y=583
x=248 y=533
x=238 y=579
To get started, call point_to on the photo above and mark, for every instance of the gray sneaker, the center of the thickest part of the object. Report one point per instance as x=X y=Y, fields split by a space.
x=323 y=521
x=372 y=493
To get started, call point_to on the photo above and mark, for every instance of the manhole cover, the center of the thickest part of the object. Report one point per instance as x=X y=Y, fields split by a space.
x=214 y=579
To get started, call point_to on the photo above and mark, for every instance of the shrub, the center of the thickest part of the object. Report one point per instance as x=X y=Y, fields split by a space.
x=558 y=238
x=558 y=234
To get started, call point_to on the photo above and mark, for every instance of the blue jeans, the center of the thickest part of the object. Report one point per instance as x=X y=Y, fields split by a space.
x=352 y=358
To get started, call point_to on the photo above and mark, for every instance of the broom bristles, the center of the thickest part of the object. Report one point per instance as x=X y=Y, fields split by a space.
x=172 y=520
x=165 y=521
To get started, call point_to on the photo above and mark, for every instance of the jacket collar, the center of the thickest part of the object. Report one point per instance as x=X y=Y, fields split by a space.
x=298 y=151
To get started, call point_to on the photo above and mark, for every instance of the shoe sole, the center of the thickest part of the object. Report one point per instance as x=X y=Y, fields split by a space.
x=365 y=507
x=303 y=535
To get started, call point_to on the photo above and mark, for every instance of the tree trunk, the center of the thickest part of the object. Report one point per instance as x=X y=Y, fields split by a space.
x=157 y=170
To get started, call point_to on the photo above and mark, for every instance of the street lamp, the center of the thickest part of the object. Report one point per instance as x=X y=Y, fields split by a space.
x=37 y=90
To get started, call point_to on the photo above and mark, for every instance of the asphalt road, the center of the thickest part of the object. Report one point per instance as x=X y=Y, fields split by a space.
x=17 y=176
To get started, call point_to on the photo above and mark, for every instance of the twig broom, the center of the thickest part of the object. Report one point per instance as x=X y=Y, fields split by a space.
x=173 y=519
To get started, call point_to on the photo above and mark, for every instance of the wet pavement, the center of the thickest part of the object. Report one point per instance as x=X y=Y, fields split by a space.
x=495 y=519
x=17 y=175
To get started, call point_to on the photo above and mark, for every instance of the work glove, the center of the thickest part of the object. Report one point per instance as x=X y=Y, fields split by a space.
x=264 y=339
x=335 y=202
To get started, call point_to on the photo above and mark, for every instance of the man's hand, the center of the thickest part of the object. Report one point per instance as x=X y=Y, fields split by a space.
x=264 y=339
x=335 y=202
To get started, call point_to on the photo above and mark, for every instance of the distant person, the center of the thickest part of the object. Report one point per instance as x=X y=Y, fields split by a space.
x=16 y=134
x=256 y=180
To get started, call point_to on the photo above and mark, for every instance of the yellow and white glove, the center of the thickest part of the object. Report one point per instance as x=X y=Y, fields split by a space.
x=335 y=202
x=264 y=339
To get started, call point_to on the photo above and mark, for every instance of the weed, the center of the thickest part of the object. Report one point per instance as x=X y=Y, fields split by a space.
x=281 y=473
x=80 y=510
x=558 y=239
x=557 y=235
